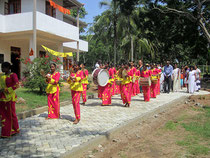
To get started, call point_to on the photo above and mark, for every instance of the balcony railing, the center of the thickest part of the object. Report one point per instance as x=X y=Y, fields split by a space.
x=24 y=22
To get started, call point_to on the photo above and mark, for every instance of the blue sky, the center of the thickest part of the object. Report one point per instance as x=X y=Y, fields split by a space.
x=93 y=9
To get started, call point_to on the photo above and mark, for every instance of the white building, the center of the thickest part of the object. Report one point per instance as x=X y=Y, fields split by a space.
x=53 y=29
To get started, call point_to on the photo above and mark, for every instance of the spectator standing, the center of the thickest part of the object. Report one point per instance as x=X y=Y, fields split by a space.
x=168 y=70
x=198 y=78
x=192 y=80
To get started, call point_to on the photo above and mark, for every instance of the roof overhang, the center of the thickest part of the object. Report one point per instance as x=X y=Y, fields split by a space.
x=72 y=4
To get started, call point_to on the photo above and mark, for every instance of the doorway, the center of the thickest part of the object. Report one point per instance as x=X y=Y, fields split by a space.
x=15 y=60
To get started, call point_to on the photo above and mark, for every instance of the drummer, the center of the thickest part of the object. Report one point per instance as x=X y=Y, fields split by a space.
x=146 y=89
x=153 y=90
x=105 y=92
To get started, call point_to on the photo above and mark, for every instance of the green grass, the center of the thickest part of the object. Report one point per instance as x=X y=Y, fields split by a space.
x=198 y=133
x=170 y=125
x=34 y=99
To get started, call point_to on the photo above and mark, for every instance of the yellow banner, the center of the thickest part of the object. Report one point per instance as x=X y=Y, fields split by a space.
x=58 y=54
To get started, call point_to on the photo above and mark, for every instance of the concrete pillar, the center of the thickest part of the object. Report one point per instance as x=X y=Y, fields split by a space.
x=78 y=41
x=31 y=45
x=34 y=47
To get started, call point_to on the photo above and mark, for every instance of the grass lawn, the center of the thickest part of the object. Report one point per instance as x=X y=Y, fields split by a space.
x=192 y=132
x=35 y=100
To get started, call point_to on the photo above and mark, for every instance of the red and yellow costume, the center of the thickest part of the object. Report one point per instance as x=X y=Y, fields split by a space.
x=126 y=88
x=137 y=89
x=153 y=90
x=84 y=84
x=9 y=121
x=117 y=87
x=76 y=91
x=114 y=83
x=158 y=85
x=133 y=84
x=106 y=92
x=146 y=89
x=53 y=97
x=111 y=74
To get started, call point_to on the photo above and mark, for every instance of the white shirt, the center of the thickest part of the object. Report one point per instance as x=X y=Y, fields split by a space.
x=97 y=65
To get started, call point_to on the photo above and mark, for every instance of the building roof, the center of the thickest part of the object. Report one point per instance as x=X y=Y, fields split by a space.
x=72 y=4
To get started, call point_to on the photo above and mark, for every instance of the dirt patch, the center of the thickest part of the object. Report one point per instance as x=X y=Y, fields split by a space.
x=159 y=136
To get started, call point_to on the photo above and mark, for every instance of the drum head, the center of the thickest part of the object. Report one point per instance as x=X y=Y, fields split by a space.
x=103 y=78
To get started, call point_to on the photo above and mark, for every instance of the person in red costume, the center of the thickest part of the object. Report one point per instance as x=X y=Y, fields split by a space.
x=153 y=90
x=146 y=89
x=8 y=84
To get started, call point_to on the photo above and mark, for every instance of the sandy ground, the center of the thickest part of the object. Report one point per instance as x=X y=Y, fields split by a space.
x=149 y=139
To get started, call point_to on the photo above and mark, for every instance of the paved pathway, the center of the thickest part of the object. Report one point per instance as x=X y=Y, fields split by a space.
x=52 y=138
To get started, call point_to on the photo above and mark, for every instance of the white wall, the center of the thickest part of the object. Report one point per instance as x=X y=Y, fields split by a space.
x=27 y=6
x=5 y=48
x=18 y=22
x=57 y=27
x=59 y=15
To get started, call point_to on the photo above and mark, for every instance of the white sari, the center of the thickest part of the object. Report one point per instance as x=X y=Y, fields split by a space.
x=191 y=81
x=198 y=82
x=176 y=78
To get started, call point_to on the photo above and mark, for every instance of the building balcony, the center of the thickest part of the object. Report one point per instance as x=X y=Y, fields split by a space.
x=47 y=27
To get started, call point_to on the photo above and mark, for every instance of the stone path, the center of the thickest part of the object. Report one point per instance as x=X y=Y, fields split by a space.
x=52 y=138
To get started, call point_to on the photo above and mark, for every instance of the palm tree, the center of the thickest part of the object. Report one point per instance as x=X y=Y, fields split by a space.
x=113 y=7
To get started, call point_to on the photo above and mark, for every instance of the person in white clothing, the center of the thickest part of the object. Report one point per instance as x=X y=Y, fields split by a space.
x=192 y=80
x=176 y=78
x=97 y=65
x=198 y=79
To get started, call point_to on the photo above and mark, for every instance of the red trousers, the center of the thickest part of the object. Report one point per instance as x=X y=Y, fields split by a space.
x=9 y=119
x=75 y=101
x=146 y=91
x=153 y=90
x=84 y=93
x=53 y=105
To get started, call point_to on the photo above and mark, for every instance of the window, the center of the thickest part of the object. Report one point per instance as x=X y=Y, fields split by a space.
x=1 y=58
x=50 y=10
x=14 y=6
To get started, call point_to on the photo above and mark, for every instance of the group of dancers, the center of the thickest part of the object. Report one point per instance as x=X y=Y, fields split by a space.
x=123 y=79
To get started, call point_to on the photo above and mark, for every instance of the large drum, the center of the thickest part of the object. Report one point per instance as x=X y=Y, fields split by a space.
x=145 y=81
x=100 y=77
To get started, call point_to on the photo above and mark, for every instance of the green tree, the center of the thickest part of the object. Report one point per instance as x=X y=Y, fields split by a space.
x=32 y=77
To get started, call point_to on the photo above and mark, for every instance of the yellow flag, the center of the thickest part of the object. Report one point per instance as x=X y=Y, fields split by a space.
x=58 y=54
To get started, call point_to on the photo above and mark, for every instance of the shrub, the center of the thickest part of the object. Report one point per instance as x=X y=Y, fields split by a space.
x=32 y=77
